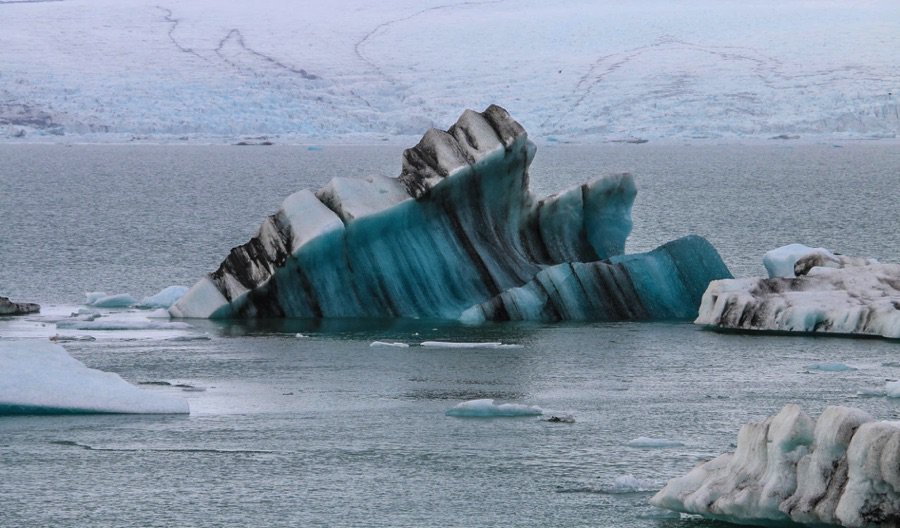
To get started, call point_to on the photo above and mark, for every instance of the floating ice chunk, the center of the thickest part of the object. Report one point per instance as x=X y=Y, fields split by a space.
x=647 y=442
x=107 y=323
x=62 y=338
x=165 y=298
x=453 y=344
x=298 y=335
x=188 y=338
x=101 y=300
x=843 y=470
x=892 y=389
x=388 y=344
x=871 y=392
x=860 y=300
x=42 y=378
x=486 y=408
x=831 y=367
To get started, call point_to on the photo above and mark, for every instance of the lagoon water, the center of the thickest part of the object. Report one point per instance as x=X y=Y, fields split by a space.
x=324 y=430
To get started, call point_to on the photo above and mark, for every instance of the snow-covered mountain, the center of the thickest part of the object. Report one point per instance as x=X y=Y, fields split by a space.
x=112 y=70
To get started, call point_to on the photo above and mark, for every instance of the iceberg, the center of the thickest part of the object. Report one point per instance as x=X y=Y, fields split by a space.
x=842 y=469
x=486 y=408
x=845 y=296
x=457 y=228
x=42 y=378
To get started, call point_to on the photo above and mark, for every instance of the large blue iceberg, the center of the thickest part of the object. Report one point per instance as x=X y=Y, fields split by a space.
x=456 y=229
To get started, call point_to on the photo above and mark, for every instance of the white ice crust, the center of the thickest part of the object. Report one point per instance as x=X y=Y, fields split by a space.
x=486 y=408
x=843 y=469
x=41 y=377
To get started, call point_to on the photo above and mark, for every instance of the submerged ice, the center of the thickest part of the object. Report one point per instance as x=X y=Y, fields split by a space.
x=456 y=229
x=842 y=469
x=42 y=378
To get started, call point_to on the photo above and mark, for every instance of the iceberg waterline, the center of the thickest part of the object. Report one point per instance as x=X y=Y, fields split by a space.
x=42 y=378
x=457 y=228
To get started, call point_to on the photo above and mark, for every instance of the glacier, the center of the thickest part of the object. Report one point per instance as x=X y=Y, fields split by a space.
x=457 y=228
x=359 y=71
x=842 y=469
x=824 y=293
x=42 y=378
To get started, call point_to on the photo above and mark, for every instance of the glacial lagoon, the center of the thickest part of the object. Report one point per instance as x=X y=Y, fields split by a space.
x=298 y=422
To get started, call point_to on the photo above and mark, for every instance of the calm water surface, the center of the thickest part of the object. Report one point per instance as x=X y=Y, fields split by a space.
x=325 y=430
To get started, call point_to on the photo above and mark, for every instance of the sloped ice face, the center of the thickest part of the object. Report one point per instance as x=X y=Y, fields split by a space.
x=42 y=378
x=666 y=283
x=456 y=228
x=843 y=469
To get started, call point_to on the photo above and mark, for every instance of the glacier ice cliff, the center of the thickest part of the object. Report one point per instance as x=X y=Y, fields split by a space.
x=830 y=294
x=457 y=228
x=842 y=469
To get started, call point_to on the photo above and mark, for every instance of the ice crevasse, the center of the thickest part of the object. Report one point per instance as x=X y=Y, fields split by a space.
x=457 y=229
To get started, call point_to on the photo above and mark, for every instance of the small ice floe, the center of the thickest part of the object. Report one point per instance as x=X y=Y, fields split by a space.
x=107 y=323
x=830 y=367
x=892 y=389
x=63 y=338
x=42 y=378
x=486 y=408
x=188 y=338
x=388 y=344
x=646 y=442
x=298 y=335
x=453 y=344
x=102 y=300
x=189 y=388
x=164 y=298
x=871 y=392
